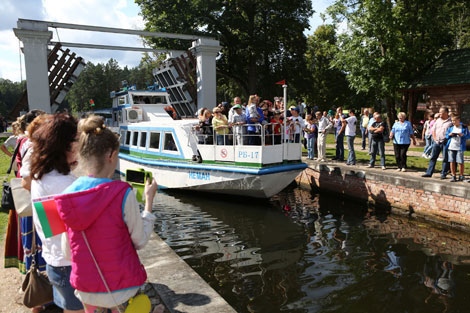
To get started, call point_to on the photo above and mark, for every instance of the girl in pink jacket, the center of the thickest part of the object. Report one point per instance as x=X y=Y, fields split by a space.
x=104 y=224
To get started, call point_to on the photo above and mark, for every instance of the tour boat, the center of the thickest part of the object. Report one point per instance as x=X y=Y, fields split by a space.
x=153 y=138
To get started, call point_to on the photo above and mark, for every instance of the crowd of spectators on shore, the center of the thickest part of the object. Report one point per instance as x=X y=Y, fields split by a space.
x=244 y=125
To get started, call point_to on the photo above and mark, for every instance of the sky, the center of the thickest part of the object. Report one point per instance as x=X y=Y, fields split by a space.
x=110 y=13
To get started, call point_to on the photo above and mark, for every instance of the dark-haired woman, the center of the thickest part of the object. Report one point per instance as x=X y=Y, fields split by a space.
x=18 y=242
x=52 y=159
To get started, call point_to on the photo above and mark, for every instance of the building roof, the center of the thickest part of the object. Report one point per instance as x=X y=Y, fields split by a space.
x=451 y=68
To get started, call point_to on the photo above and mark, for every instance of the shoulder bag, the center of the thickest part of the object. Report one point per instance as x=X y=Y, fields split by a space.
x=36 y=286
x=21 y=198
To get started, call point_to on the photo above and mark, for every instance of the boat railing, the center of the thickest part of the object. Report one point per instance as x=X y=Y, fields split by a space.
x=246 y=134
x=254 y=143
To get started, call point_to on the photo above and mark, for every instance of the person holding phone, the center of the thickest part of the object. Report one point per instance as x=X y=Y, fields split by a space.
x=104 y=224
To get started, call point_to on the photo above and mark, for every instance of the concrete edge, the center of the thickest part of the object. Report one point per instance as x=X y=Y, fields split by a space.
x=179 y=286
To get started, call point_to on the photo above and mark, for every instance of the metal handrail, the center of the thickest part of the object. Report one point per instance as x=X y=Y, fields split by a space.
x=275 y=138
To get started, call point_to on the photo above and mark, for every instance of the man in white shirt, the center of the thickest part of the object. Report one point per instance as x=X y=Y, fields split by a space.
x=298 y=121
x=350 y=133
x=323 y=125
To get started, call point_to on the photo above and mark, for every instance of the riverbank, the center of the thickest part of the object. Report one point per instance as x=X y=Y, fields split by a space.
x=405 y=193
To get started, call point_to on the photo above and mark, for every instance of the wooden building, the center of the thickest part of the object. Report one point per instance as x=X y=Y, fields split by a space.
x=445 y=83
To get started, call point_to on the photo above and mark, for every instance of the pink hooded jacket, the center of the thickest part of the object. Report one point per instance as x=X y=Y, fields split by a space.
x=98 y=212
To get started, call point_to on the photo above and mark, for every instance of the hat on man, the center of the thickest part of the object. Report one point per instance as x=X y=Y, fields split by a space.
x=294 y=108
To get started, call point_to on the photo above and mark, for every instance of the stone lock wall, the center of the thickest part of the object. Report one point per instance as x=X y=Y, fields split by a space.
x=440 y=202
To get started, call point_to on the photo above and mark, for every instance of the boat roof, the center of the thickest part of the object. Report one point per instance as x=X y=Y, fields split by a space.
x=144 y=92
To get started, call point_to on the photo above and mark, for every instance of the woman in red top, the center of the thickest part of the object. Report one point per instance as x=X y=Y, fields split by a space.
x=276 y=121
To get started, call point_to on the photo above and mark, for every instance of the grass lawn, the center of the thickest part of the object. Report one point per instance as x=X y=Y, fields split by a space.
x=4 y=164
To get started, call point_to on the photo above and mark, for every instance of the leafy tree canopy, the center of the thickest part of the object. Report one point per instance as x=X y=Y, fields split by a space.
x=96 y=82
x=10 y=93
x=262 y=40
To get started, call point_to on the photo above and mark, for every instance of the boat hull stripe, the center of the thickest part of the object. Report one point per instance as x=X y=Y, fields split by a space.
x=252 y=171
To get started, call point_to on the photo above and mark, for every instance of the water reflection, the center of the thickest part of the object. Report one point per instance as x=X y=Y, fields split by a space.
x=302 y=252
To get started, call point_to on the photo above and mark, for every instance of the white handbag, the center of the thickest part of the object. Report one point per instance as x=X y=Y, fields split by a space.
x=21 y=198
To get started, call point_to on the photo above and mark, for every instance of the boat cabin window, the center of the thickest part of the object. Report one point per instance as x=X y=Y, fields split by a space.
x=154 y=141
x=120 y=116
x=149 y=99
x=128 y=137
x=138 y=99
x=143 y=139
x=169 y=143
x=122 y=137
x=122 y=100
x=135 y=138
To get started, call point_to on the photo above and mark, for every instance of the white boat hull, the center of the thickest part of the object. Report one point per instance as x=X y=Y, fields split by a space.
x=250 y=182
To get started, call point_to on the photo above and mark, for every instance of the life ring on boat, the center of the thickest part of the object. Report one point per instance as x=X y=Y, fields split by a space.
x=170 y=109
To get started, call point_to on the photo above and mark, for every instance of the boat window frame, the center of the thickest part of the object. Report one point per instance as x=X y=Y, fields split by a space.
x=164 y=141
x=124 y=98
x=127 y=142
x=150 y=140
x=142 y=133
x=122 y=137
x=134 y=133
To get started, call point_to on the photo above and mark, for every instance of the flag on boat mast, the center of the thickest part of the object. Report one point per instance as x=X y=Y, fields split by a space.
x=281 y=82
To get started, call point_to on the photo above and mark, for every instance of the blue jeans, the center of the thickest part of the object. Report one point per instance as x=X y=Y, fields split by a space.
x=428 y=147
x=311 y=147
x=377 y=146
x=436 y=150
x=340 y=146
x=352 y=154
x=64 y=296
x=364 y=137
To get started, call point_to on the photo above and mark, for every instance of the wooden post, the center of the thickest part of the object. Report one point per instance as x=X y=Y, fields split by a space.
x=410 y=106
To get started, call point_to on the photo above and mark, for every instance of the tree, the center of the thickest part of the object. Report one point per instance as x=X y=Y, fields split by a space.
x=89 y=85
x=389 y=43
x=262 y=40
x=96 y=82
x=330 y=86
x=10 y=93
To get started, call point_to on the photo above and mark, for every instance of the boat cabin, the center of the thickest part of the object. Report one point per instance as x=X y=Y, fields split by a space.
x=150 y=130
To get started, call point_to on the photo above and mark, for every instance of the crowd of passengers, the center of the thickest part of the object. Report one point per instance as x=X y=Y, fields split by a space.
x=246 y=123
x=92 y=266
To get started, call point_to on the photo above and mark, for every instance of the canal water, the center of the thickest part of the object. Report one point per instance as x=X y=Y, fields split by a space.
x=307 y=252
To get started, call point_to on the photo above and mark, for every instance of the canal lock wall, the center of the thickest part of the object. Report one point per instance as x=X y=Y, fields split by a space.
x=436 y=201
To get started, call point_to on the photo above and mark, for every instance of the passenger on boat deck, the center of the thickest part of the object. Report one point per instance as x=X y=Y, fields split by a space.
x=276 y=126
x=298 y=123
x=237 y=119
x=220 y=124
x=236 y=101
x=204 y=128
x=254 y=115
x=139 y=100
